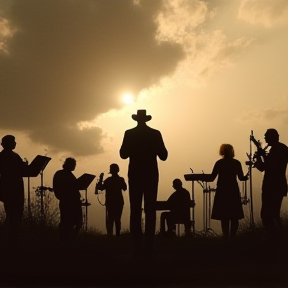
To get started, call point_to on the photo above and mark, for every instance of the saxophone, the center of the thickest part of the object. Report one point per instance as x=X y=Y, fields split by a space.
x=261 y=152
x=99 y=184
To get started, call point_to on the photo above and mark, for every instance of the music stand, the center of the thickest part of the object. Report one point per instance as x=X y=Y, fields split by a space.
x=193 y=177
x=83 y=183
x=201 y=178
x=207 y=230
x=35 y=168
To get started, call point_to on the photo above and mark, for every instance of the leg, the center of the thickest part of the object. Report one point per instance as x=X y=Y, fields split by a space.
x=163 y=219
x=78 y=218
x=225 y=228
x=135 y=195
x=270 y=215
x=234 y=227
x=109 y=221
x=118 y=214
x=66 y=226
x=276 y=216
x=14 y=213
x=170 y=223
x=267 y=215
x=188 y=227
x=150 y=198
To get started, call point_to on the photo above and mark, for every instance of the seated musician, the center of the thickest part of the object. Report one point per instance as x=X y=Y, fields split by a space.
x=179 y=205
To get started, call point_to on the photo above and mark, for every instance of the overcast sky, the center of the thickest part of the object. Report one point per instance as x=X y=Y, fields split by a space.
x=208 y=72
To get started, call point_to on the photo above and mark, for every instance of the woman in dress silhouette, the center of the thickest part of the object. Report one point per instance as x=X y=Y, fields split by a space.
x=227 y=205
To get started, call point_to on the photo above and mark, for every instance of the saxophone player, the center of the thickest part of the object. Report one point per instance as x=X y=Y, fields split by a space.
x=274 y=186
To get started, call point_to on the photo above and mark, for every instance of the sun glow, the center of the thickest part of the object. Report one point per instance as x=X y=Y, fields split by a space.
x=128 y=98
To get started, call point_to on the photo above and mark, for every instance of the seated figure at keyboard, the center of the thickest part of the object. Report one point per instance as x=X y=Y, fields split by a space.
x=179 y=205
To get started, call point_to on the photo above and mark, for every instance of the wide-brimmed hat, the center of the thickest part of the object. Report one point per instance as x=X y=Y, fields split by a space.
x=141 y=116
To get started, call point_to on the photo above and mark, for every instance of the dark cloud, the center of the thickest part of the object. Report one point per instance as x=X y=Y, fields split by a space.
x=69 y=61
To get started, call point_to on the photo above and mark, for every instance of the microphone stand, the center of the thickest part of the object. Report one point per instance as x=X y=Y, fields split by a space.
x=28 y=200
x=250 y=165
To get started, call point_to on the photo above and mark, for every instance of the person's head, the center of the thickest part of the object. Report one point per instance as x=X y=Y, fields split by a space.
x=69 y=164
x=141 y=117
x=177 y=184
x=271 y=136
x=114 y=169
x=227 y=151
x=8 y=142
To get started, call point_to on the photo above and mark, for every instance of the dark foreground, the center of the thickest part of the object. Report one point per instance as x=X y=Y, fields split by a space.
x=178 y=262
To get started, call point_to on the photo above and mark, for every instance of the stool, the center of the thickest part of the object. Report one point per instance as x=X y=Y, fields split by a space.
x=183 y=223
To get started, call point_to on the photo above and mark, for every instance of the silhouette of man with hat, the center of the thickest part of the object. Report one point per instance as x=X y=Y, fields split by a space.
x=142 y=144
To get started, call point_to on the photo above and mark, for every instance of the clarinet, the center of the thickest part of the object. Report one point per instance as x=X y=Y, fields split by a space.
x=99 y=184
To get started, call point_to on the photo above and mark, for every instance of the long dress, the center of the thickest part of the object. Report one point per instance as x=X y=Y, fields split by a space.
x=227 y=201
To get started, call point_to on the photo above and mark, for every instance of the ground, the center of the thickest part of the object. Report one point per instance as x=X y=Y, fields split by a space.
x=192 y=261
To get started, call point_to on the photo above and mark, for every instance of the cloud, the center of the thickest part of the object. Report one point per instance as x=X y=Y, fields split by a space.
x=266 y=115
x=69 y=61
x=264 y=12
x=207 y=50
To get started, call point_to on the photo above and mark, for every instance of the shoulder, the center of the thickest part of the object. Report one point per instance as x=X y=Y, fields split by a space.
x=237 y=162
x=155 y=131
x=15 y=154
x=282 y=146
x=107 y=180
x=132 y=130
x=218 y=162
x=174 y=194
x=58 y=172
x=185 y=192
x=61 y=173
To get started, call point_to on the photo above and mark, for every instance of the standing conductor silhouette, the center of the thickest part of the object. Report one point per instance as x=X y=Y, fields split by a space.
x=142 y=145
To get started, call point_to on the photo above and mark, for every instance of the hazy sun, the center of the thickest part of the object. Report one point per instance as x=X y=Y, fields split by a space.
x=128 y=98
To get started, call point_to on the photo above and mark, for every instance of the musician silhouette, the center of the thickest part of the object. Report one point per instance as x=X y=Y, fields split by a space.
x=66 y=191
x=11 y=186
x=114 y=199
x=179 y=205
x=142 y=145
x=227 y=206
x=274 y=186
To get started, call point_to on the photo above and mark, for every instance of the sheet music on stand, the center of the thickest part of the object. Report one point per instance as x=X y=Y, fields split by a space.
x=84 y=181
x=35 y=168
x=37 y=165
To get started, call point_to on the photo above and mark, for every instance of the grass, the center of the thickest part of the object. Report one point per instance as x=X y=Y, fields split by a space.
x=96 y=260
